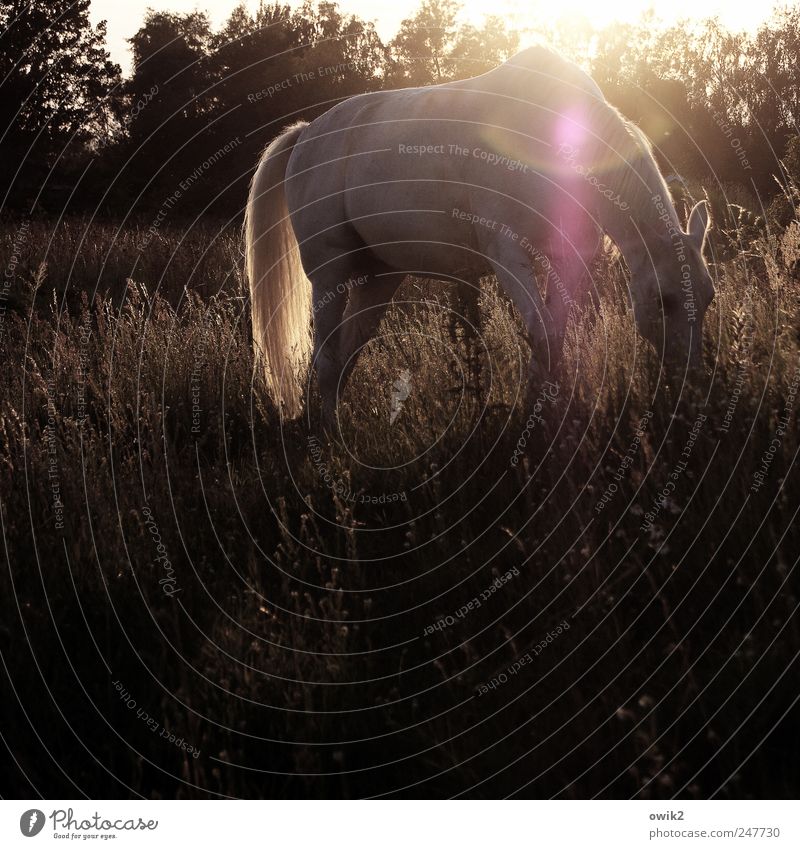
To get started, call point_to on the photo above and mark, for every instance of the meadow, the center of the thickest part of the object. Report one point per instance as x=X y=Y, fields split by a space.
x=589 y=593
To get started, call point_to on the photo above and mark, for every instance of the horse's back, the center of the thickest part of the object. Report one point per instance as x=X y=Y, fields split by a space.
x=409 y=171
x=536 y=76
x=545 y=70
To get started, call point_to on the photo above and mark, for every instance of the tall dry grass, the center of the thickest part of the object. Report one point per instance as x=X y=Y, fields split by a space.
x=289 y=636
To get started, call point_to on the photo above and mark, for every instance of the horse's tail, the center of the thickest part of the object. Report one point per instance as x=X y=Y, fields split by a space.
x=280 y=293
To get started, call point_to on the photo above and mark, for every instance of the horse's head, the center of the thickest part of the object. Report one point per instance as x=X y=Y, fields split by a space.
x=671 y=289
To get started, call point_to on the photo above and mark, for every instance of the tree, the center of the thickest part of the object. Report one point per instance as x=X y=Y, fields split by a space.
x=479 y=49
x=170 y=102
x=343 y=53
x=55 y=80
x=421 y=47
x=432 y=47
x=172 y=75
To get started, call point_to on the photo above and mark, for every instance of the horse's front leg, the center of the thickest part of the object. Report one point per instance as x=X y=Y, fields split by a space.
x=515 y=274
x=560 y=299
x=568 y=269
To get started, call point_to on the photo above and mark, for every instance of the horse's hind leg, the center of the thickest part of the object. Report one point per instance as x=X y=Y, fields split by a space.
x=366 y=306
x=329 y=297
x=347 y=309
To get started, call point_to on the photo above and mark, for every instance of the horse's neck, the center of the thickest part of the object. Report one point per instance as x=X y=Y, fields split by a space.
x=649 y=227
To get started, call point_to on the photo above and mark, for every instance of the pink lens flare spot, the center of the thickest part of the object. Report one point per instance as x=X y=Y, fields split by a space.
x=571 y=129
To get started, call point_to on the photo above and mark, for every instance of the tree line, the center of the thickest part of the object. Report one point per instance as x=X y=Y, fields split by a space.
x=185 y=127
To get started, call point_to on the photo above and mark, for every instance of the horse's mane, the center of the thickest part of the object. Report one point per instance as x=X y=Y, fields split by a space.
x=622 y=152
x=648 y=170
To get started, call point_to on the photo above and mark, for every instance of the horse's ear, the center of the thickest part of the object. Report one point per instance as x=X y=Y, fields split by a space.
x=698 y=223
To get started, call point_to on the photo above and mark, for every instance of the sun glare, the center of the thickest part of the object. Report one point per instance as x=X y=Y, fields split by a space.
x=597 y=15
x=583 y=14
x=524 y=15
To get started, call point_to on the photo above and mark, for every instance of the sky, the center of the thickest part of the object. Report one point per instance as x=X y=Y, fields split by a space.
x=125 y=16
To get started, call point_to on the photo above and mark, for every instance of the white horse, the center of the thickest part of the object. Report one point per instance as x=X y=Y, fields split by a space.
x=525 y=163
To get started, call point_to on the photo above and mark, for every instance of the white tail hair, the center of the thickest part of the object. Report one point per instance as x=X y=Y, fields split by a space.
x=280 y=293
